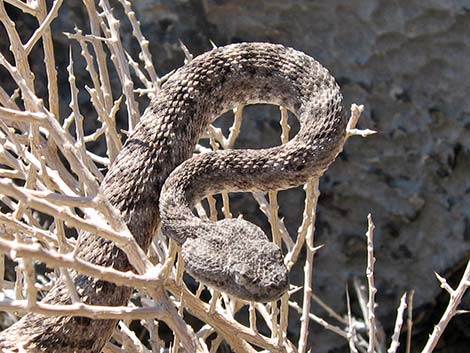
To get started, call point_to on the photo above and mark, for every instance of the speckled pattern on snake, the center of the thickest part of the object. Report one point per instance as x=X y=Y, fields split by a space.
x=153 y=182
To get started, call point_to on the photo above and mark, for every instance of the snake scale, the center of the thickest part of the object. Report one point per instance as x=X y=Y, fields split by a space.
x=154 y=182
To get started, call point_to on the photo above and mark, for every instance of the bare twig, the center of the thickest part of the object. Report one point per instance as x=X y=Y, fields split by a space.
x=370 y=280
x=43 y=27
x=320 y=321
x=122 y=66
x=356 y=111
x=398 y=324
x=451 y=310
x=144 y=43
x=308 y=268
x=94 y=312
x=351 y=333
x=26 y=8
x=409 y=322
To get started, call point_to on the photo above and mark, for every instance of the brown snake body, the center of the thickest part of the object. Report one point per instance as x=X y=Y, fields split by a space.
x=232 y=255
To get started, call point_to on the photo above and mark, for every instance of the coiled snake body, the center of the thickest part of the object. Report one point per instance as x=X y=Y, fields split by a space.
x=232 y=255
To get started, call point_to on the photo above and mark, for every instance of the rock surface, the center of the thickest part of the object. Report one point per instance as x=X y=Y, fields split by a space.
x=407 y=62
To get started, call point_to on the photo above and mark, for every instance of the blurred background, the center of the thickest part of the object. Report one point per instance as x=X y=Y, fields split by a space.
x=407 y=61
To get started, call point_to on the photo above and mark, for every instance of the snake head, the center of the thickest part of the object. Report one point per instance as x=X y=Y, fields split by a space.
x=236 y=257
x=262 y=275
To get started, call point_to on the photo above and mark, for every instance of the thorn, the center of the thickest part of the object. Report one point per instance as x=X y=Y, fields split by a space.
x=213 y=44
x=187 y=54
x=444 y=283
x=318 y=247
x=294 y=289
x=359 y=132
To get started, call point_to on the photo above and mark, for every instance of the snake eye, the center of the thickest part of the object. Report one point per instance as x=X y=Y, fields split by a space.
x=240 y=279
x=243 y=275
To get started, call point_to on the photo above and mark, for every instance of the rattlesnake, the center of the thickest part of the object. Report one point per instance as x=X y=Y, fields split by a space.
x=232 y=255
